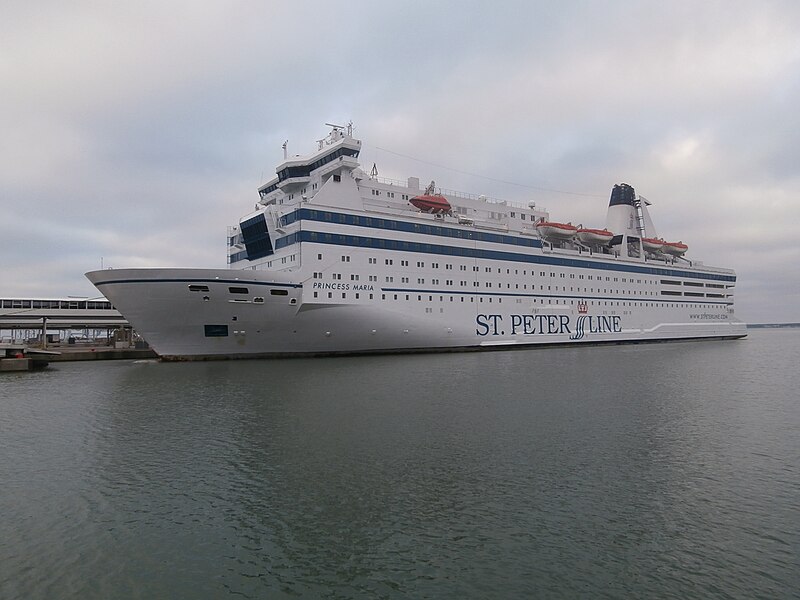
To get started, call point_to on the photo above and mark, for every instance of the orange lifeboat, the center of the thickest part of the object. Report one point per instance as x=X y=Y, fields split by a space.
x=653 y=244
x=551 y=229
x=594 y=236
x=432 y=203
x=675 y=248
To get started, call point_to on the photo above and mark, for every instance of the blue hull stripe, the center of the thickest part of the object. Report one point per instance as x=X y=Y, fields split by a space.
x=241 y=282
x=496 y=255
x=373 y=222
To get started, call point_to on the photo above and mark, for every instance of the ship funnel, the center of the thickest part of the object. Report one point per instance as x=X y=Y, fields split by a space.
x=627 y=217
x=621 y=216
x=622 y=194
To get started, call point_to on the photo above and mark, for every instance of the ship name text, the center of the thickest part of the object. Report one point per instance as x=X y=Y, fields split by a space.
x=358 y=287
x=546 y=325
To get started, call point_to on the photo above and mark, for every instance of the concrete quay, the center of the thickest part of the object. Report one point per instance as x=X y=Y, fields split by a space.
x=16 y=358
x=101 y=353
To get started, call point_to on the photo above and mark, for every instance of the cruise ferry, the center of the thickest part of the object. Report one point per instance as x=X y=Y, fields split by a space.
x=335 y=260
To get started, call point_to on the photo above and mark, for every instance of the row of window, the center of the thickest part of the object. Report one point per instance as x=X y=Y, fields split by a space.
x=388 y=194
x=691 y=284
x=59 y=304
x=489 y=284
x=499 y=216
x=308 y=214
x=238 y=290
x=448 y=266
x=305 y=170
x=494 y=255
x=242 y=290
x=284 y=260
x=543 y=301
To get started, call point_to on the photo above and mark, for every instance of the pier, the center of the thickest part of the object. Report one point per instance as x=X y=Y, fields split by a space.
x=19 y=357
x=38 y=331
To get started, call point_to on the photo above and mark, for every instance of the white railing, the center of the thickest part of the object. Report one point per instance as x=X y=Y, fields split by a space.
x=459 y=194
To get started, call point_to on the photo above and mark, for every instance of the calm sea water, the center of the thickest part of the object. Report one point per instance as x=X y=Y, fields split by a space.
x=652 y=471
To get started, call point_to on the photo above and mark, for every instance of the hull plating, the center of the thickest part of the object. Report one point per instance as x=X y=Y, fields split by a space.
x=201 y=314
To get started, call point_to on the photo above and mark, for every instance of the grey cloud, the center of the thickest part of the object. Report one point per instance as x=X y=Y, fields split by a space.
x=137 y=132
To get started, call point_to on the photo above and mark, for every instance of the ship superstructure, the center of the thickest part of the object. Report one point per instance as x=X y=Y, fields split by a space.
x=335 y=260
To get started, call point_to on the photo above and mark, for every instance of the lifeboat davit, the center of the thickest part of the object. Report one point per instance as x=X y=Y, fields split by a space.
x=653 y=244
x=675 y=248
x=432 y=203
x=594 y=236
x=551 y=229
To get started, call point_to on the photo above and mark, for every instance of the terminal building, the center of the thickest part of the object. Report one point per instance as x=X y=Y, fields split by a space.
x=61 y=320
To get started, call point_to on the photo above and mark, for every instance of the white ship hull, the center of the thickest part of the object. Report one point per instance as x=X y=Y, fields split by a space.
x=333 y=261
x=174 y=320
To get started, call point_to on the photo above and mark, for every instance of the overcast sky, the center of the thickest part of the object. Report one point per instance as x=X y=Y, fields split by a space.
x=133 y=133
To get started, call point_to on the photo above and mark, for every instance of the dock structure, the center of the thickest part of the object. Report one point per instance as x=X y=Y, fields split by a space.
x=15 y=357
x=19 y=357
x=44 y=321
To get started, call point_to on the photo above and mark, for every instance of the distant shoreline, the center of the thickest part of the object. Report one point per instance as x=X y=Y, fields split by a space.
x=771 y=325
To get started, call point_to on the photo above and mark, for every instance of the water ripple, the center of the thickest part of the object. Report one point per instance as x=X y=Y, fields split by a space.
x=664 y=471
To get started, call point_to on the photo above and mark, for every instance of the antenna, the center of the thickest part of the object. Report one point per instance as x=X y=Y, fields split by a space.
x=374 y=172
x=336 y=134
x=286 y=143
